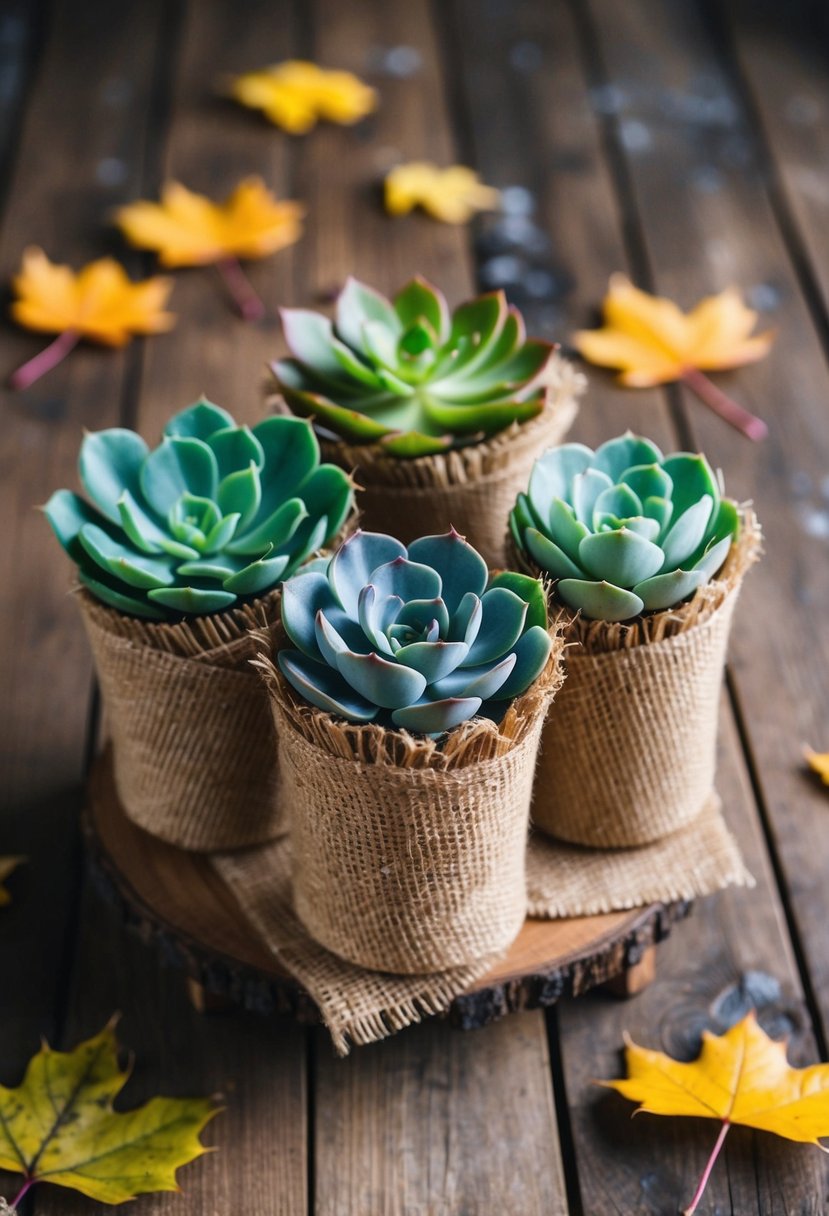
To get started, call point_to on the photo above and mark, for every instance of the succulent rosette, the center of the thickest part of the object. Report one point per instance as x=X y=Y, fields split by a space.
x=216 y=513
x=419 y=637
x=407 y=374
x=624 y=529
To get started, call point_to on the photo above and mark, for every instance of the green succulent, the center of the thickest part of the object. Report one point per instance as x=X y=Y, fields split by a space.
x=406 y=374
x=215 y=513
x=419 y=638
x=624 y=529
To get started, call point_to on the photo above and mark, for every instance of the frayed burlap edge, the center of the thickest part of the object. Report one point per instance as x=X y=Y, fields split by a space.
x=566 y=880
x=471 y=488
x=357 y=1006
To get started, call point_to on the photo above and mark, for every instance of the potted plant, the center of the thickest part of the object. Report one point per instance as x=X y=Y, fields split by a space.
x=646 y=558
x=409 y=693
x=441 y=415
x=179 y=551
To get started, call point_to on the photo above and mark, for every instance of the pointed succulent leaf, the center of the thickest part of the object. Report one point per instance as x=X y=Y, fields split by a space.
x=620 y=557
x=355 y=561
x=310 y=338
x=461 y=568
x=408 y=579
x=567 y=531
x=692 y=477
x=483 y=681
x=383 y=683
x=359 y=304
x=617 y=455
x=502 y=622
x=486 y=418
x=418 y=614
x=687 y=533
x=236 y=448
x=436 y=717
x=132 y=605
x=531 y=652
x=552 y=476
x=587 y=487
x=324 y=687
x=259 y=576
x=648 y=481
x=433 y=659
x=367 y=606
x=134 y=569
x=665 y=590
x=619 y=501
x=175 y=467
x=303 y=596
x=277 y=530
x=110 y=462
x=419 y=299
x=659 y=509
x=221 y=534
x=240 y=494
x=291 y=452
x=525 y=516
x=600 y=600
x=531 y=591
x=192 y=601
x=68 y=514
x=410 y=444
x=209 y=568
x=308 y=539
x=711 y=561
x=642 y=525
x=380 y=344
x=328 y=491
x=549 y=556
x=199 y=421
x=145 y=533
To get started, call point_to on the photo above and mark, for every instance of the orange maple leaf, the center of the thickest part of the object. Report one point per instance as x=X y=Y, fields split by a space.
x=652 y=341
x=99 y=303
x=452 y=195
x=296 y=94
x=740 y=1077
x=818 y=762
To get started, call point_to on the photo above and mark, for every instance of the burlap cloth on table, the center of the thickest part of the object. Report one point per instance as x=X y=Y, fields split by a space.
x=472 y=488
x=406 y=859
x=194 y=753
x=628 y=755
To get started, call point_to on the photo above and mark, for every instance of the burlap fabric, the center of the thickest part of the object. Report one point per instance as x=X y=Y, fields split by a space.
x=628 y=754
x=357 y=1006
x=472 y=488
x=409 y=856
x=195 y=759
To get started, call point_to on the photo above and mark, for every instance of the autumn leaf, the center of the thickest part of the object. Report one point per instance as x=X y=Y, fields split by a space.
x=818 y=762
x=452 y=195
x=99 y=303
x=653 y=342
x=741 y=1077
x=59 y=1126
x=7 y=866
x=296 y=94
x=188 y=229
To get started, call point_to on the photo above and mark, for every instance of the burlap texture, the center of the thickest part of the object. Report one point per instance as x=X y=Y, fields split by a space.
x=628 y=753
x=194 y=753
x=357 y=1006
x=568 y=880
x=409 y=856
x=472 y=488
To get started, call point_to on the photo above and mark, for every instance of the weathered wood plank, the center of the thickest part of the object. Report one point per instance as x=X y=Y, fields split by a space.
x=533 y=69
x=385 y=1142
x=688 y=118
x=58 y=197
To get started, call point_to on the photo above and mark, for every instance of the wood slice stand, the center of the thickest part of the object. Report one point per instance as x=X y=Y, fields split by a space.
x=175 y=900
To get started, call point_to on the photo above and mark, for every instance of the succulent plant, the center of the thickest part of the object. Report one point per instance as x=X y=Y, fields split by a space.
x=215 y=513
x=408 y=375
x=624 y=529
x=420 y=638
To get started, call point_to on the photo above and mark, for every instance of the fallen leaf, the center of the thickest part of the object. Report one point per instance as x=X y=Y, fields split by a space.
x=452 y=195
x=653 y=342
x=59 y=1126
x=296 y=94
x=741 y=1077
x=188 y=229
x=7 y=866
x=99 y=302
x=818 y=762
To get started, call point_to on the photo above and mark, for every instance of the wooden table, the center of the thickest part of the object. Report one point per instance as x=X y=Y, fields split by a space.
x=685 y=142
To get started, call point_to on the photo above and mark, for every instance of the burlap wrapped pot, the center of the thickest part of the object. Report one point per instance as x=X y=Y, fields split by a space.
x=628 y=754
x=408 y=854
x=192 y=734
x=472 y=488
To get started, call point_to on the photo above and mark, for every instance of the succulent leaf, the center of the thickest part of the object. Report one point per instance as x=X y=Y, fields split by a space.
x=214 y=513
x=624 y=529
x=416 y=634
x=406 y=374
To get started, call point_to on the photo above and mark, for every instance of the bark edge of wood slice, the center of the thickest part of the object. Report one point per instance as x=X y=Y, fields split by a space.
x=176 y=902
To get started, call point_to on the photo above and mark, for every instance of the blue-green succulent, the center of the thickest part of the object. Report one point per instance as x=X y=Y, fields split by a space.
x=216 y=513
x=419 y=637
x=624 y=529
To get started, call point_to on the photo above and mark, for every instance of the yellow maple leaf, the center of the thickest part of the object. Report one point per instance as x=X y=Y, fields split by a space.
x=188 y=229
x=740 y=1077
x=818 y=762
x=452 y=195
x=59 y=1126
x=7 y=866
x=296 y=94
x=99 y=302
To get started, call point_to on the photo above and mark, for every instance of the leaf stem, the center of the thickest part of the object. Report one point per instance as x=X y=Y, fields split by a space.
x=21 y=1194
x=706 y=1173
x=53 y=354
x=241 y=289
x=708 y=392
